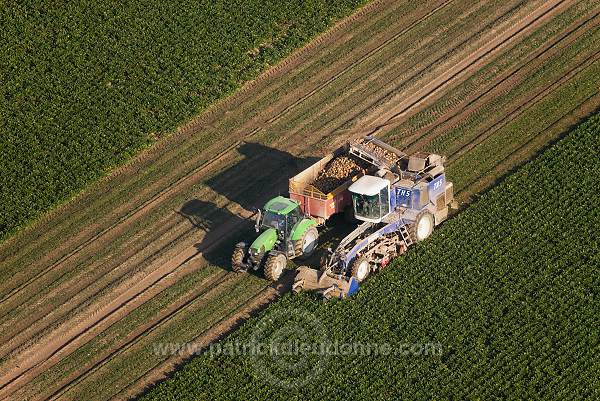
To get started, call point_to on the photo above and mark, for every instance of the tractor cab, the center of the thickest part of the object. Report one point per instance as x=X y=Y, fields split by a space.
x=371 y=198
x=280 y=213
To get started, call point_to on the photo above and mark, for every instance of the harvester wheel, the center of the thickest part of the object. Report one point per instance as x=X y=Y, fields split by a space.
x=274 y=266
x=361 y=268
x=423 y=226
x=306 y=245
x=237 y=259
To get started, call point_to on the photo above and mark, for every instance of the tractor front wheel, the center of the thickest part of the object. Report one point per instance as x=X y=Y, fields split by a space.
x=237 y=259
x=361 y=268
x=274 y=266
x=306 y=245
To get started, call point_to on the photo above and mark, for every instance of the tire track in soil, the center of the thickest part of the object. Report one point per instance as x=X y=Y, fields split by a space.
x=223 y=325
x=285 y=284
x=387 y=68
x=501 y=85
x=533 y=100
x=97 y=281
x=575 y=114
x=233 y=224
x=30 y=326
x=570 y=118
x=205 y=293
x=395 y=114
x=401 y=111
x=42 y=352
x=99 y=271
x=417 y=139
x=418 y=101
x=368 y=55
x=377 y=126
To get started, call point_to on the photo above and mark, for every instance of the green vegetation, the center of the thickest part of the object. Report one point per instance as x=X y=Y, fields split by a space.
x=508 y=288
x=87 y=84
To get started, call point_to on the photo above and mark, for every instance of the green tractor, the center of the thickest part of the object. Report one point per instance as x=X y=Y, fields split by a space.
x=285 y=233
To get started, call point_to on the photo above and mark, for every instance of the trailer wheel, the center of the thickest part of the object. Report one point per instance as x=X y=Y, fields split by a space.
x=306 y=245
x=237 y=259
x=275 y=265
x=423 y=226
x=361 y=268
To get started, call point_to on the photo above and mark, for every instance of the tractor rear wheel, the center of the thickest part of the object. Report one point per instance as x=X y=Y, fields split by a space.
x=306 y=245
x=361 y=268
x=423 y=226
x=274 y=266
x=237 y=259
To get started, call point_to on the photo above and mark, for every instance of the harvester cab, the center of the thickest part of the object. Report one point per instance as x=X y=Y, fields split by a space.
x=405 y=193
x=398 y=205
x=284 y=233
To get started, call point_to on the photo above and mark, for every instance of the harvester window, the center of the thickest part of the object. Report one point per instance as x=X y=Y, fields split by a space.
x=385 y=201
x=366 y=206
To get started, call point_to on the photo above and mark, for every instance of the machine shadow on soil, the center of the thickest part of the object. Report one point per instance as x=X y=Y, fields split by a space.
x=266 y=168
x=258 y=177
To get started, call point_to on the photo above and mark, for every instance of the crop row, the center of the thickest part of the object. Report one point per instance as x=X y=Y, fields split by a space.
x=506 y=290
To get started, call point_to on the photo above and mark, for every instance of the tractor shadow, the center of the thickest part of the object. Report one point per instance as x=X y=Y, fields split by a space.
x=262 y=174
x=222 y=228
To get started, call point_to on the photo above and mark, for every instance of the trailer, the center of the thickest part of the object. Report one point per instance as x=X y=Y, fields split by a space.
x=312 y=200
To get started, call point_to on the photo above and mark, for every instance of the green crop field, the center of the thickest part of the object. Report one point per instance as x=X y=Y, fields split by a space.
x=85 y=85
x=506 y=292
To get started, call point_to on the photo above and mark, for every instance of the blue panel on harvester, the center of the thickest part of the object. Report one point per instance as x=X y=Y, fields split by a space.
x=407 y=197
x=437 y=186
x=353 y=286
